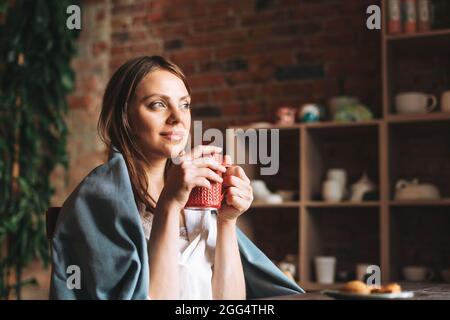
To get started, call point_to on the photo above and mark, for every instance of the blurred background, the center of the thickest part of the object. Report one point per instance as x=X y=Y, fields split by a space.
x=362 y=113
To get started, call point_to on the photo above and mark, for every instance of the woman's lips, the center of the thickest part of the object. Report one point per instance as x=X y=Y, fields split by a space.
x=173 y=135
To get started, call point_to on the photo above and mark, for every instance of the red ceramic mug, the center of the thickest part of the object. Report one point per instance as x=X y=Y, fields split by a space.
x=202 y=198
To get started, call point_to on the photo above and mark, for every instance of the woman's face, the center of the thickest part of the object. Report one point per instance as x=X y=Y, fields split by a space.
x=160 y=114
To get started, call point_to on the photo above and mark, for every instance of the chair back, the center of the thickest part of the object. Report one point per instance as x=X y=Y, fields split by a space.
x=51 y=216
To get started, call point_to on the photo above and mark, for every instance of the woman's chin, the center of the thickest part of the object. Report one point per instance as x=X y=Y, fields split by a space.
x=173 y=151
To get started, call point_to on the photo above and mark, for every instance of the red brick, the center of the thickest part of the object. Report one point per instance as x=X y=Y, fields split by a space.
x=119 y=49
x=100 y=16
x=263 y=18
x=223 y=95
x=203 y=40
x=145 y=48
x=207 y=80
x=214 y=24
x=93 y=1
x=238 y=78
x=119 y=23
x=155 y=17
x=79 y=102
x=245 y=92
x=253 y=109
x=202 y=54
x=170 y=31
x=232 y=109
x=87 y=84
x=198 y=11
x=99 y=47
x=200 y=97
x=338 y=54
x=129 y=8
x=140 y=19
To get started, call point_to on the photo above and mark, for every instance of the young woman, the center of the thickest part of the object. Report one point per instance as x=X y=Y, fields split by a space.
x=124 y=232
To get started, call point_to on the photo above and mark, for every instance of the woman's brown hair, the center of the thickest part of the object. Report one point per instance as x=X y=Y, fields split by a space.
x=114 y=127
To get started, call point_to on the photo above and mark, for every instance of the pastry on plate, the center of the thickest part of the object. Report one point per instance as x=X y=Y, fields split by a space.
x=356 y=286
x=389 y=288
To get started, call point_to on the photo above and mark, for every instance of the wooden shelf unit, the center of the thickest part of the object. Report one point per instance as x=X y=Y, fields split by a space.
x=420 y=203
x=419 y=35
x=389 y=148
x=288 y=204
x=341 y=204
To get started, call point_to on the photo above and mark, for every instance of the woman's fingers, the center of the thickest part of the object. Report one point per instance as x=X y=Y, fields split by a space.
x=227 y=160
x=244 y=194
x=237 y=202
x=233 y=181
x=208 y=162
x=209 y=174
x=202 y=150
x=202 y=182
x=238 y=172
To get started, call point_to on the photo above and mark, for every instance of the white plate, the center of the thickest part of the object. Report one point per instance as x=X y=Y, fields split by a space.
x=373 y=296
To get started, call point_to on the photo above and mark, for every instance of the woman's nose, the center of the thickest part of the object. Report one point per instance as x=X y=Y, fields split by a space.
x=174 y=115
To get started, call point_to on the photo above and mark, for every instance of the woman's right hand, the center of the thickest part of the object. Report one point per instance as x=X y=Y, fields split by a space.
x=194 y=169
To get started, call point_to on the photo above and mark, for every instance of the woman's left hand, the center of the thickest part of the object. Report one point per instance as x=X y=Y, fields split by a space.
x=238 y=193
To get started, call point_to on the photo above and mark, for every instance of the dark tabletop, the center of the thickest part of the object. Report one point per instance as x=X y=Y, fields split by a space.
x=422 y=291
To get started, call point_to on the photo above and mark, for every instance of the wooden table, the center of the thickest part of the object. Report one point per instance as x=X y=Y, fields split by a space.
x=422 y=291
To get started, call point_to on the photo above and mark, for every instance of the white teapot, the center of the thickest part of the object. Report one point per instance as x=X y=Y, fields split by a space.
x=406 y=190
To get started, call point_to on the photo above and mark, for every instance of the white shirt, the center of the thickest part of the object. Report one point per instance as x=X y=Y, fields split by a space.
x=197 y=243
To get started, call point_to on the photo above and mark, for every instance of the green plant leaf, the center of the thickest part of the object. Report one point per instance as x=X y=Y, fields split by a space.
x=36 y=30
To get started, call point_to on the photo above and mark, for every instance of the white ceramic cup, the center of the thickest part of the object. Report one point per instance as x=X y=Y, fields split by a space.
x=325 y=269
x=445 y=101
x=361 y=271
x=332 y=191
x=415 y=102
x=417 y=274
x=338 y=175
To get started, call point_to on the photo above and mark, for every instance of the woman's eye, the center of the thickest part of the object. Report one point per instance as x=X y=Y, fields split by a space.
x=157 y=105
x=186 y=106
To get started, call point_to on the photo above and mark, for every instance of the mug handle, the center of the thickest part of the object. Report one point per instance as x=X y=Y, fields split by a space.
x=433 y=104
x=430 y=275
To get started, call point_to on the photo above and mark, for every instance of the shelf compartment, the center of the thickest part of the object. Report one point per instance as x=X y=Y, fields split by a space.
x=422 y=151
x=284 y=162
x=334 y=232
x=354 y=149
x=275 y=233
x=419 y=237
x=416 y=68
x=420 y=43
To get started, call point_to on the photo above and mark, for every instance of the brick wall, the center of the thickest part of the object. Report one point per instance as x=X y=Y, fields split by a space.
x=245 y=58
x=92 y=73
